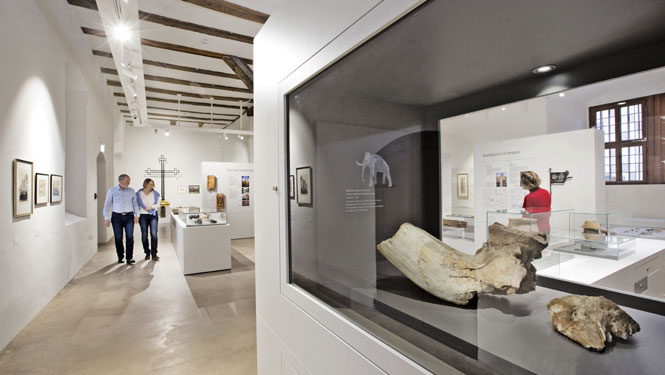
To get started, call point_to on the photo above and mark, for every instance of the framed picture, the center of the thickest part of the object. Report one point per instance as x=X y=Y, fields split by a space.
x=194 y=189
x=56 y=188
x=182 y=189
x=463 y=185
x=292 y=183
x=41 y=188
x=245 y=181
x=22 y=188
x=304 y=189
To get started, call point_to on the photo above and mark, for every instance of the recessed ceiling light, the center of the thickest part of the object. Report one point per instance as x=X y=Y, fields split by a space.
x=562 y=94
x=544 y=69
x=503 y=108
x=621 y=103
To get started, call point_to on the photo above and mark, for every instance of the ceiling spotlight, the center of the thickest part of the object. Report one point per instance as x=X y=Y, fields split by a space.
x=562 y=94
x=167 y=133
x=544 y=69
x=121 y=32
x=503 y=108
x=241 y=137
x=226 y=137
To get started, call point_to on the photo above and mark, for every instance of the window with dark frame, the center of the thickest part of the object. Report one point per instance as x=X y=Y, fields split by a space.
x=626 y=137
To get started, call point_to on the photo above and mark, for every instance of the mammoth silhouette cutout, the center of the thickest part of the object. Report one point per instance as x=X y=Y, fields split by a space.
x=376 y=165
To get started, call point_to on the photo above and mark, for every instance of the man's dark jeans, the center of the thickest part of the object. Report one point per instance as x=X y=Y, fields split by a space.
x=126 y=222
x=149 y=222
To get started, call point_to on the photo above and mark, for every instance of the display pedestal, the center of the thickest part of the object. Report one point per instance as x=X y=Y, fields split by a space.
x=202 y=248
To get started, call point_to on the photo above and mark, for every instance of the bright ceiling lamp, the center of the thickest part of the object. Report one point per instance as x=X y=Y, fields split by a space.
x=121 y=32
x=544 y=69
x=226 y=137
x=167 y=133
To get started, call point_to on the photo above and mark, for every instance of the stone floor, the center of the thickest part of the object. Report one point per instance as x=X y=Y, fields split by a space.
x=144 y=319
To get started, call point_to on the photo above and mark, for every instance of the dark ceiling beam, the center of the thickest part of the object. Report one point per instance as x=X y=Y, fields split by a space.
x=243 y=71
x=231 y=9
x=174 y=67
x=183 y=102
x=183 y=82
x=170 y=46
x=187 y=94
x=172 y=22
x=182 y=110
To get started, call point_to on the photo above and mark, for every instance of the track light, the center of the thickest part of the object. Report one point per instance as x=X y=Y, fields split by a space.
x=167 y=133
x=241 y=137
x=226 y=137
x=127 y=57
x=121 y=32
x=129 y=73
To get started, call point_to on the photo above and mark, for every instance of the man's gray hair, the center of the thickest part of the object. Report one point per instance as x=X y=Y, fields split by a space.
x=122 y=177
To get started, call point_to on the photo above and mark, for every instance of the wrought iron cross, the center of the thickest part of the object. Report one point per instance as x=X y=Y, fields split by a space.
x=162 y=173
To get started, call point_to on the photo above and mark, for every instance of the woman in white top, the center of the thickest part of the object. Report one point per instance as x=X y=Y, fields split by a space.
x=148 y=200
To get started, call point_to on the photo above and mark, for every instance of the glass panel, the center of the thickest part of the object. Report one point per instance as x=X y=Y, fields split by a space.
x=610 y=164
x=632 y=163
x=606 y=121
x=631 y=122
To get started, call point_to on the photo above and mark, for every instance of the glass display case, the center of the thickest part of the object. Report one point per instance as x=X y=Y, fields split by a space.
x=590 y=234
x=192 y=219
x=458 y=226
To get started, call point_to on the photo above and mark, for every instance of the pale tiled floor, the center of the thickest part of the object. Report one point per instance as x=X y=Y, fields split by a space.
x=144 y=319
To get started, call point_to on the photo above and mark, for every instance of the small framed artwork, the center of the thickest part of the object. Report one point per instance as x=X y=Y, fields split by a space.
x=194 y=189
x=41 y=188
x=182 y=189
x=292 y=183
x=211 y=183
x=463 y=185
x=304 y=189
x=22 y=188
x=56 y=188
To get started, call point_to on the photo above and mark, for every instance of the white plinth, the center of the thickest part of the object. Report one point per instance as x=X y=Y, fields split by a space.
x=202 y=248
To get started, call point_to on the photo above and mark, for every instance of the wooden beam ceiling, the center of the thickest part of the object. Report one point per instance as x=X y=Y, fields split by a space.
x=231 y=9
x=182 y=110
x=243 y=71
x=114 y=83
x=172 y=22
x=184 y=102
x=183 y=82
x=174 y=67
x=170 y=46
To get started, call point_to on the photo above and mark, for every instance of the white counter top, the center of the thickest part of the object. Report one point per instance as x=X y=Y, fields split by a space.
x=588 y=270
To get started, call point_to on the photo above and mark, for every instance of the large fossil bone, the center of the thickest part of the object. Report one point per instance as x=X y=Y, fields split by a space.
x=501 y=266
x=590 y=321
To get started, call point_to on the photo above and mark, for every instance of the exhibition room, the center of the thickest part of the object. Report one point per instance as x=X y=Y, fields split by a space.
x=333 y=187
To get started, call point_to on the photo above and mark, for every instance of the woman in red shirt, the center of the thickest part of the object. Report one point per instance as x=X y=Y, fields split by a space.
x=538 y=201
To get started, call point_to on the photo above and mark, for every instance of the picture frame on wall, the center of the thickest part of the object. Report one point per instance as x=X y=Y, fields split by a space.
x=463 y=186
x=22 y=188
x=194 y=189
x=56 y=188
x=292 y=184
x=304 y=188
x=41 y=189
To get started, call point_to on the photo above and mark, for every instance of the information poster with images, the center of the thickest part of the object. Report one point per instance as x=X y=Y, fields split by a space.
x=503 y=185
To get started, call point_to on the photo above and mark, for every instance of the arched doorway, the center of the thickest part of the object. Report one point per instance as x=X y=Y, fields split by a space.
x=102 y=230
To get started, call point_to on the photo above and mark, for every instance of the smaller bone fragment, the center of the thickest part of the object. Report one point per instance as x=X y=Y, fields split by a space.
x=590 y=321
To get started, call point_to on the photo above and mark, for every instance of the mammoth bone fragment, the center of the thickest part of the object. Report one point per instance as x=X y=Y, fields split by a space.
x=590 y=321
x=501 y=266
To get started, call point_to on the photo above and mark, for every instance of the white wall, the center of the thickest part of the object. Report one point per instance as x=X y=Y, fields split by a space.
x=229 y=181
x=42 y=48
x=294 y=331
x=184 y=150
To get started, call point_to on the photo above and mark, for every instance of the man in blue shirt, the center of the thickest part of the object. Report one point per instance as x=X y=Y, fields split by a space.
x=123 y=208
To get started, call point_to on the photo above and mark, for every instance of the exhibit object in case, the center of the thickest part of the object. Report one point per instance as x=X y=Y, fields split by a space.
x=22 y=188
x=200 y=244
x=211 y=183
